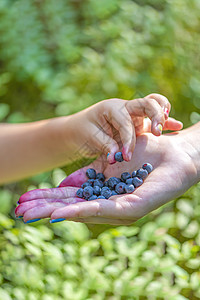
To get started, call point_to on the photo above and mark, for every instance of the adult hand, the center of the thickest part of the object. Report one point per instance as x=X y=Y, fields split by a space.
x=176 y=161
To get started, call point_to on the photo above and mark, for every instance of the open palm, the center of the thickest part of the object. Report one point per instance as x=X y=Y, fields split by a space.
x=172 y=175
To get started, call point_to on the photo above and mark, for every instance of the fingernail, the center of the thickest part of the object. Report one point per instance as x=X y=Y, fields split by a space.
x=20 y=217
x=159 y=127
x=129 y=155
x=166 y=111
x=111 y=158
x=31 y=221
x=57 y=220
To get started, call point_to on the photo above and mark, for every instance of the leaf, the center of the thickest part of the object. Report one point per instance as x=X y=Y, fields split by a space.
x=185 y=206
x=4 y=110
x=191 y=230
x=4 y=295
x=148 y=231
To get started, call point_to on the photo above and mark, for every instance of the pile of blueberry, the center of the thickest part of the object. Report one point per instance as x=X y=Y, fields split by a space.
x=97 y=188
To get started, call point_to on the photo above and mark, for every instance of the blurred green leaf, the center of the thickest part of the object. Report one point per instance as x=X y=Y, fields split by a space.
x=4 y=110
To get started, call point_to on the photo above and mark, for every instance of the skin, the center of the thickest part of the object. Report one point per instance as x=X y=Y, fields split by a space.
x=176 y=161
x=30 y=148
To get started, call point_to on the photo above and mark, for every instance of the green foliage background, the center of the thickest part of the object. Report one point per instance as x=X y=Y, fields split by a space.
x=56 y=58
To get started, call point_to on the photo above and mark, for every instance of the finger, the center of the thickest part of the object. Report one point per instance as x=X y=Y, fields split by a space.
x=163 y=101
x=48 y=193
x=99 y=220
x=172 y=124
x=102 y=140
x=76 y=179
x=25 y=206
x=119 y=209
x=40 y=212
x=122 y=122
x=150 y=108
x=92 y=208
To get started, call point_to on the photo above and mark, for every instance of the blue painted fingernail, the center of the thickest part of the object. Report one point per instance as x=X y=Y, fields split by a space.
x=20 y=217
x=108 y=154
x=57 y=220
x=31 y=221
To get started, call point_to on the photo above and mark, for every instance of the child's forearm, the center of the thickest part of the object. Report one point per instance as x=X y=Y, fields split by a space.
x=30 y=148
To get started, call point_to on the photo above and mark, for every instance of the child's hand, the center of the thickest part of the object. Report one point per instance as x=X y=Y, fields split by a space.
x=112 y=123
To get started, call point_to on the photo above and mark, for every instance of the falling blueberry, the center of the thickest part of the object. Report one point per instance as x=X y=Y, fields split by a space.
x=119 y=157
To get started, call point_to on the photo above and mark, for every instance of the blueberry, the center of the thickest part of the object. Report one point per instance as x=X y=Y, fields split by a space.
x=98 y=182
x=87 y=192
x=119 y=156
x=119 y=189
x=106 y=183
x=112 y=182
x=114 y=193
x=100 y=176
x=125 y=176
x=148 y=167
x=79 y=193
x=97 y=190
x=93 y=197
x=141 y=173
x=129 y=181
x=137 y=181
x=91 y=173
x=101 y=197
x=106 y=192
x=90 y=181
x=134 y=174
x=129 y=188
x=85 y=184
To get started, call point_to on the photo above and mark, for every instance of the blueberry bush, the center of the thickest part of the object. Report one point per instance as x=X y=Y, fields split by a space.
x=57 y=58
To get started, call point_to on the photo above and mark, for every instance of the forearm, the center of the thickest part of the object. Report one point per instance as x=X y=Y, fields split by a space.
x=191 y=137
x=29 y=148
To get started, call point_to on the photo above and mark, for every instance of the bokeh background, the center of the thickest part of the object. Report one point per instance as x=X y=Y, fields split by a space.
x=57 y=58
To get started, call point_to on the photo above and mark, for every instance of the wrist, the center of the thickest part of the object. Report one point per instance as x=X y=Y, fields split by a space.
x=191 y=144
x=60 y=134
x=69 y=137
